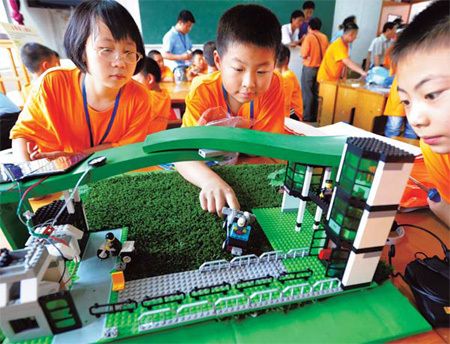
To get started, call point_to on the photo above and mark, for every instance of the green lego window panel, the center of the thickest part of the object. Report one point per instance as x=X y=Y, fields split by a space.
x=316 y=179
x=295 y=176
x=336 y=263
x=345 y=219
x=357 y=175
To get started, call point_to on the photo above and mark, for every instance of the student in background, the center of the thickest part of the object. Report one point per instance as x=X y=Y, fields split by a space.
x=313 y=50
x=150 y=76
x=336 y=57
x=8 y=117
x=208 y=53
x=246 y=87
x=166 y=73
x=379 y=45
x=96 y=105
x=350 y=19
x=293 y=102
x=177 y=45
x=38 y=58
x=308 y=10
x=289 y=32
x=422 y=56
x=198 y=67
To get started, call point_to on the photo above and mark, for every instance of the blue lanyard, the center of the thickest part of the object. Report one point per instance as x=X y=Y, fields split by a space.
x=88 y=119
x=228 y=108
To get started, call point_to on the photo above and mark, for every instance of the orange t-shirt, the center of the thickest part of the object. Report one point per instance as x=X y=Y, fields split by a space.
x=313 y=49
x=332 y=65
x=54 y=118
x=161 y=104
x=166 y=74
x=438 y=168
x=387 y=63
x=292 y=95
x=206 y=93
x=394 y=106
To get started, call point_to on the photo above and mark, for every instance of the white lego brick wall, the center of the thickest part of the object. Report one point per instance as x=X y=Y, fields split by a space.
x=374 y=228
x=389 y=183
x=360 y=268
x=290 y=203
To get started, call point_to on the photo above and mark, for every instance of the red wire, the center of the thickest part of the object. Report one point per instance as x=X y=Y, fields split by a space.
x=59 y=240
x=32 y=186
x=71 y=276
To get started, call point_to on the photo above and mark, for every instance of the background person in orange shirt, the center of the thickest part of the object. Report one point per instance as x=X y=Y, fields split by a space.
x=293 y=104
x=38 y=58
x=150 y=76
x=95 y=106
x=422 y=56
x=246 y=86
x=198 y=66
x=166 y=73
x=208 y=53
x=336 y=57
x=313 y=50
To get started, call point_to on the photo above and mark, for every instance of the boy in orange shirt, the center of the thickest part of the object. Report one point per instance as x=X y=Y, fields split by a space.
x=150 y=76
x=245 y=86
x=422 y=56
x=292 y=92
x=313 y=50
x=166 y=73
x=336 y=56
x=198 y=67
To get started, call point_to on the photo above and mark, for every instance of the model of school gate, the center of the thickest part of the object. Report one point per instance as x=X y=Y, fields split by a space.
x=370 y=178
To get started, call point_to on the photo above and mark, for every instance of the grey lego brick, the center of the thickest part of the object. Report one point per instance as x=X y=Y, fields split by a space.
x=188 y=280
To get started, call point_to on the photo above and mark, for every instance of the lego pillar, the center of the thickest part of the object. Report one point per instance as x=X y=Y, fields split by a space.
x=319 y=211
x=305 y=191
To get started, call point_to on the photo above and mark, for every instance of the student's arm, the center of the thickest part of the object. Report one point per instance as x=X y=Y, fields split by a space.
x=441 y=210
x=305 y=49
x=170 y=56
x=353 y=66
x=20 y=147
x=215 y=192
x=369 y=56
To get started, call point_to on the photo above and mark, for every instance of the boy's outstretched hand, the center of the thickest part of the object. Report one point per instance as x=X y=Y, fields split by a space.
x=215 y=194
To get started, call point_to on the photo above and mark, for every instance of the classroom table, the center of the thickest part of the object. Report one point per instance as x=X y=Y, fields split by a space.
x=177 y=92
x=351 y=101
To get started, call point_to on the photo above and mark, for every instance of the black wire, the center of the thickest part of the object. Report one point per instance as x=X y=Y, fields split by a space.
x=64 y=271
x=445 y=249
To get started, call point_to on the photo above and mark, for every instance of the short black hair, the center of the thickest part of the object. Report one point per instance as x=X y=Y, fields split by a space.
x=388 y=26
x=208 y=52
x=309 y=5
x=315 y=24
x=84 y=20
x=248 y=24
x=151 y=67
x=350 y=27
x=151 y=54
x=296 y=14
x=32 y=55
x=429 y=30
x=349 y=19
x=186 y=16
x=283 y=54
x=398 y=21
x=197 y=52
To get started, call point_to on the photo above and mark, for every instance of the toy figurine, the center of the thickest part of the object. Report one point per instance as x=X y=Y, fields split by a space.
x=111 y=246
x=237 y=226
x=327 y=191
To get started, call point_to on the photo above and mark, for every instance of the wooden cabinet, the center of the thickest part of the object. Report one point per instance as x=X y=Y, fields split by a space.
x=345 y=104
x=327 y=93
x=369 y=105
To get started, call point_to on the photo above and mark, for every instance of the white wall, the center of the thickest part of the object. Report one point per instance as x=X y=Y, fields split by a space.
x=367 y=14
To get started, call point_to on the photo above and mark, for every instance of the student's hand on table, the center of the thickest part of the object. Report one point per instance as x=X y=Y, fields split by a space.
x=215 y=194
x=35 y=154
x=441 y=210
x=364 y=74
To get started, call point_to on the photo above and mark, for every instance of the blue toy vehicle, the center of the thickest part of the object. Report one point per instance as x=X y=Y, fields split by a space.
x=237 y=226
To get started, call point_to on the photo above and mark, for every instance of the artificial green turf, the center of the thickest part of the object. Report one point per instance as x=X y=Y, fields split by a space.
x=164 y=217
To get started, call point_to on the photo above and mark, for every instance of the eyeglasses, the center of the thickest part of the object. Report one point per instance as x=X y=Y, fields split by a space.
x=111 y=55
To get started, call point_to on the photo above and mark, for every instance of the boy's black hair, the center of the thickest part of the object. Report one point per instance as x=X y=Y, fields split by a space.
x=398 y=21
x=283 y=54
x=349 y=19
x=84 y=21
x=186 y=16
x=315 y=24
x=208 y=52
x=429 y=30
x=350 y=27
x=32 y=55
x=248 y=24
x=388 y=26
x=151 y=67
x=296 y=14
x=197 y=52
x=151 y=54
x=309 y=4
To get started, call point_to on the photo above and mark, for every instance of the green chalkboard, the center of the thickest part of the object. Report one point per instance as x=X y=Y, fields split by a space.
x=158 y=16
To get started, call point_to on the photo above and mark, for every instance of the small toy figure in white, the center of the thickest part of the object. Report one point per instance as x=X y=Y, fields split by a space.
x=111 y=246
